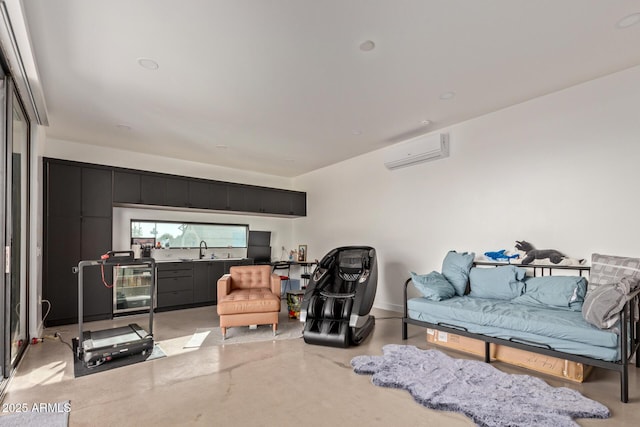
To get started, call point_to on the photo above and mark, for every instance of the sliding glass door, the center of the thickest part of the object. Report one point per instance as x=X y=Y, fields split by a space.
x=14 y=209
x=19 y=190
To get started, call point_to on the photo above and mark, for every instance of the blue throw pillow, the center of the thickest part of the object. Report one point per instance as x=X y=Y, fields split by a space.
x=502 y=282
x=455 y=268
x=433 y=286
x=566 y=292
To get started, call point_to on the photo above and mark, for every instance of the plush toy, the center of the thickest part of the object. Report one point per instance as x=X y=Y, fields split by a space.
x=553 y=256
x=501 y=255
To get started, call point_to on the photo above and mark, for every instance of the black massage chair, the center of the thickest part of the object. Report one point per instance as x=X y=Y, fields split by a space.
x=336 y=305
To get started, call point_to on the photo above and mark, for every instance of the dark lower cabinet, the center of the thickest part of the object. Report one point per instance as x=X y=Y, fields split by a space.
x=175 y=284
x=59 y=284
x=205 y=281
x=230 y=263
x=191 y=284
x=95 y=241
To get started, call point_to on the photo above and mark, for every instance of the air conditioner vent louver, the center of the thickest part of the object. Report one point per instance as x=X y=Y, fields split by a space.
x=417 y=150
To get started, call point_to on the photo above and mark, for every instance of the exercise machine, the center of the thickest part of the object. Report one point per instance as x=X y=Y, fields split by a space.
x=340 y=294
x=93 y=348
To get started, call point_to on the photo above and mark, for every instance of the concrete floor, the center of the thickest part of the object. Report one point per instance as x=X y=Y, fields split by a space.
x=275 y=383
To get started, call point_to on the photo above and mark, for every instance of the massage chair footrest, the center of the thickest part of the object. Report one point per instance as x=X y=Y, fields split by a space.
x=338 y=294
x=336 y=333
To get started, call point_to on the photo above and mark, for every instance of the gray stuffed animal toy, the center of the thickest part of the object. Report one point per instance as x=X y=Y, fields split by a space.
x=532 y=253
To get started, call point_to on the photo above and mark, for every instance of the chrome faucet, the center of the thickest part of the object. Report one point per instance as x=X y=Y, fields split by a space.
x=202 y=242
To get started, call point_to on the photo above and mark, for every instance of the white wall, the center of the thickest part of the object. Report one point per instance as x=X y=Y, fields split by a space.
x=35 y=227
x=560 y=171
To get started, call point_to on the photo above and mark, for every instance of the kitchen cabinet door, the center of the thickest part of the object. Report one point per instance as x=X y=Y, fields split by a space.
x=60 y=284
x=177 y=192
x=253 y=199
x=126 y=187
x=63 y=190
x=205 y=281
x=299 y=203
x=200 y=194
x=96 y=192
x=235 y=197
x=219 y=200
x=152 y=190
x=276 y=202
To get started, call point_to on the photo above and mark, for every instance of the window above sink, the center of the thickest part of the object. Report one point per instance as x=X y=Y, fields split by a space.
x=189 y=235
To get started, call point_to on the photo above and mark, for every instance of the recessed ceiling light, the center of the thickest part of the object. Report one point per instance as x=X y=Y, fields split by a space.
x=628 y=21
x=425 y=122
x=289 y=160
x=367 y=46
x=356 y=132
x=123 y=127
x=447 y=95
x=221 y=147
x=148 y=63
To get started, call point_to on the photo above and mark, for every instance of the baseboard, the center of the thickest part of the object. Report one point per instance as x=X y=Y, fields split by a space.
x=388 y=306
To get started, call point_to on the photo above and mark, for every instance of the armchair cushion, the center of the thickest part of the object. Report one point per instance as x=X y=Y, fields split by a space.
x=259 y=300
x=254 y=276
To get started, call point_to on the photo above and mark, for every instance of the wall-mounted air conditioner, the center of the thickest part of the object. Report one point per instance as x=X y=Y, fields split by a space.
x=417 y=150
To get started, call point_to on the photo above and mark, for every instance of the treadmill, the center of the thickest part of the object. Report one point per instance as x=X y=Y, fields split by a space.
x=97 y=347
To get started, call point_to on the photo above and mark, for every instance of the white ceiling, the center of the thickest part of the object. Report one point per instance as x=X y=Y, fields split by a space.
x=284 y=85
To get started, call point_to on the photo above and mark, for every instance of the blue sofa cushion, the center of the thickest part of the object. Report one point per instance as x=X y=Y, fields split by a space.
x=455 y=267
x=502 y=282
x=565 y=292
x=433 y=286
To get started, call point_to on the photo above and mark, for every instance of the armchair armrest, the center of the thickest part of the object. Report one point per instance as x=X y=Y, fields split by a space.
x=275 y=283
x=224 y=286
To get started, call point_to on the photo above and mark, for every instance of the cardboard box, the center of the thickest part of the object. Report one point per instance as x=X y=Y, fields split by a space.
x=561 y=368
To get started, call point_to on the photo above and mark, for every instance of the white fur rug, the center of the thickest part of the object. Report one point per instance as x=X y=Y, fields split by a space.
x=476 y=389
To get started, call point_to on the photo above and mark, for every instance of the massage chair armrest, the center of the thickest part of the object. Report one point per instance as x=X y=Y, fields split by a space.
x=224 y=286
x=275 y=284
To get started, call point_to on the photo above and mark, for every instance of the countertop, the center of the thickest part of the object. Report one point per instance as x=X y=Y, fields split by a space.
x=162 y=261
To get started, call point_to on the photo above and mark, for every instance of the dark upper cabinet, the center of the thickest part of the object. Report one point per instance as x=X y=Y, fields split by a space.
x=269 y=201
x=96 y=192
x=276 y=202
x=200 y=194
x=235 y=197
x=298 y=203
x=152 y=190
x=219 y=196
x=177 y=192
x=253 y=197
x=126 y=187
x=63 y=190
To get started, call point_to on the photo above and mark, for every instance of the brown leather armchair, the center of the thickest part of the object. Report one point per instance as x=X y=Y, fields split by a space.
x=248 y=295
